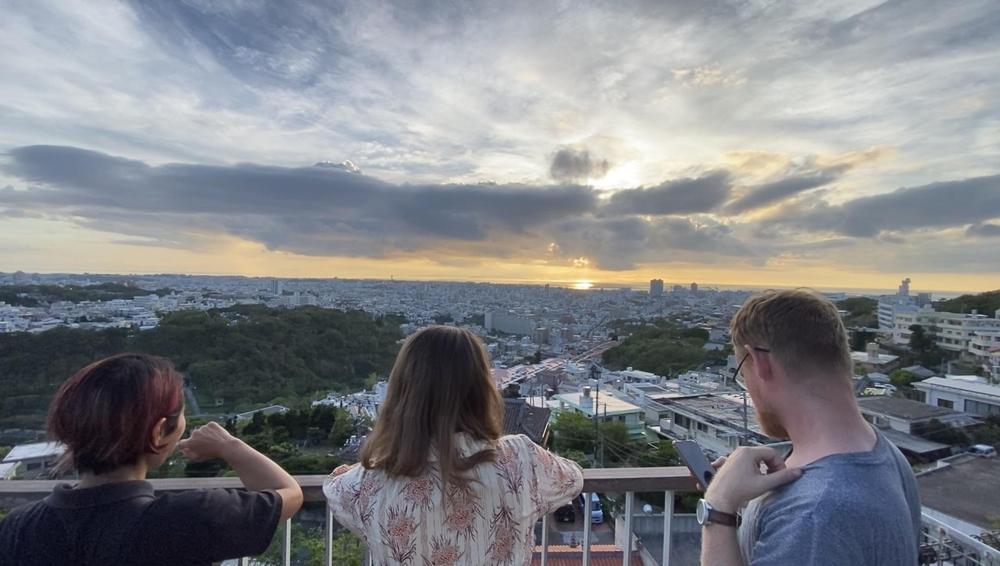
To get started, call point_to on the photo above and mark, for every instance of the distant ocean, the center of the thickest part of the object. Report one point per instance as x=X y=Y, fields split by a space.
x=855 y=292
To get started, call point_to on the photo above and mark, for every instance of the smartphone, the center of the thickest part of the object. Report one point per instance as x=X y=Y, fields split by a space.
x=694 y=458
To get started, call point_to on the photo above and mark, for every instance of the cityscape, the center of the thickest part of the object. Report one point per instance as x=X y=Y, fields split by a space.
x=657 y=219
x=564 y=351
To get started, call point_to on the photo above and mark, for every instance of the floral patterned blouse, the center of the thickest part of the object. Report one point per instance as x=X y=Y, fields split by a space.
x=403 y=521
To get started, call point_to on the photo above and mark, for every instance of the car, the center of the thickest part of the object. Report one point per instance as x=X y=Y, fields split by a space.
x=595 y=511
x=984 y=450
x=566 y=513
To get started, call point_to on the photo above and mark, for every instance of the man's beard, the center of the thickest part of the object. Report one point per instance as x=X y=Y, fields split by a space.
x=771 y=424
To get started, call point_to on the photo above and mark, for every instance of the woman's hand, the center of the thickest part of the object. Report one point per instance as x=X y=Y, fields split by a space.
x=207 y=442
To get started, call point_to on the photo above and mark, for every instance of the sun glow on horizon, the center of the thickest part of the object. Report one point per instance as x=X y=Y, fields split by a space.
x=583 y=285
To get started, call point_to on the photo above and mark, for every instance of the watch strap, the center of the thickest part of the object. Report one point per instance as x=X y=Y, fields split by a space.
x=716 y=517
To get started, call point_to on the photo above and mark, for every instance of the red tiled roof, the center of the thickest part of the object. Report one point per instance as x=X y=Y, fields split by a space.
x=600 y=555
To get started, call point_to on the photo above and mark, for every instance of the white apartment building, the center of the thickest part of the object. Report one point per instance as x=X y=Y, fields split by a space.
x=970 y=397
x=972 y=333
x=891 y=305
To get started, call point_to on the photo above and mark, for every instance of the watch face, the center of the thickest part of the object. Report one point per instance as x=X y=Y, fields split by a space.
x=701 y=512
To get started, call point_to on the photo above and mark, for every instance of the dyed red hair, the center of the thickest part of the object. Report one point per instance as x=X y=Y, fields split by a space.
x=105 y=412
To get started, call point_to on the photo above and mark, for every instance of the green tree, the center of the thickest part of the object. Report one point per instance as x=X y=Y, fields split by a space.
x=989 y=432
x=937 y=431
x=920 y=342
x=577 y=456
x=861 y=312
x=308 y=548
x=572 y=431
x=902 y=378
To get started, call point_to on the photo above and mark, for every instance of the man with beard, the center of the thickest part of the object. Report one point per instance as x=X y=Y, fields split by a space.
x=844 y=495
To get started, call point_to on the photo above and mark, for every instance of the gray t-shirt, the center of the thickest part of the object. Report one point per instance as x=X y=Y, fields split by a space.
x=858 y=508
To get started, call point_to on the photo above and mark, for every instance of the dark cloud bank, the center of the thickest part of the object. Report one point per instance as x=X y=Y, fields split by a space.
x=335 y=211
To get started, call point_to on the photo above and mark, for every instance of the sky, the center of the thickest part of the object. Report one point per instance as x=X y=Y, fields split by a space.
x=837 y=144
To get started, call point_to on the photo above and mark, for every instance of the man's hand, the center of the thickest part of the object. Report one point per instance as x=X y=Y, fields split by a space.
x=207 y=443
x=740 y=479
x=715 y=465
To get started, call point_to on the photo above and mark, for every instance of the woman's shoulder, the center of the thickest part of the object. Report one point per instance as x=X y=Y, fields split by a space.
x=517 y=444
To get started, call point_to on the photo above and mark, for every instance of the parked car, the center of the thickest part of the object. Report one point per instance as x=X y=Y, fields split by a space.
x=594 y=509
x=566 y=513
x=984 y=450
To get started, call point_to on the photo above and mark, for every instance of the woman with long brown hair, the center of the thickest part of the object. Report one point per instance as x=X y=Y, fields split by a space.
x=437 y=482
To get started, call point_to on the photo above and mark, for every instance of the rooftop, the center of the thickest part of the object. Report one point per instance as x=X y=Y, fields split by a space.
x=600 y=555
x=900 y=408
x=967 y=488
x=521 y=418
x=913 y=444
x=882 y=358
x=960 y=385
x=607 y=403
x=721 y=410
x=34 y=450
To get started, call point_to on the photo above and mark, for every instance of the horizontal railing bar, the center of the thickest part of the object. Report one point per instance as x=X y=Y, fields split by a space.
x=594 y=480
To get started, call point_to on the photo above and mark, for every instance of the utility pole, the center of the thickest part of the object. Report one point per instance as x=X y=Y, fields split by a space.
x=595 y=374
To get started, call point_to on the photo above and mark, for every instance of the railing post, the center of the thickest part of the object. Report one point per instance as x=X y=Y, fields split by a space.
x=328 y=546
x=668 y=517
x=545 y=539
x=627 y=551
x=587 y=520
x=287 y=546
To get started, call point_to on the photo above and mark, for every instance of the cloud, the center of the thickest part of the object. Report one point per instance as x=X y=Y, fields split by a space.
x=622 y=243
x=984 y=231
x=574 y=165
x=310 y=210
x=681 y=196
x=777 y=191
x=935 y=205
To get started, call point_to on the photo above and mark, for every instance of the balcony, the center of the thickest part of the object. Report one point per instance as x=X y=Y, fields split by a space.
x=941 y=544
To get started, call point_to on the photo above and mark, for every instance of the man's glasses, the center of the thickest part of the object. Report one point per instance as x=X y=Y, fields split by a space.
x=739 y=377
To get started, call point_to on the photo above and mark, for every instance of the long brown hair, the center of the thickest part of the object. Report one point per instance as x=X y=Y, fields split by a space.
x=439 y=385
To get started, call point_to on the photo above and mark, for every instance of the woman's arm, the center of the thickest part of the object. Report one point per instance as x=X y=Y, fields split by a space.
x=256 y=471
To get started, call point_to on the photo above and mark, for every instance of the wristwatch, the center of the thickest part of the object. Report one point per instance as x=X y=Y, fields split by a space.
x=708 y=515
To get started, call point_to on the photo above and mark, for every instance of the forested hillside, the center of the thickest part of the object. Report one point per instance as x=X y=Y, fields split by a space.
x=242 y=355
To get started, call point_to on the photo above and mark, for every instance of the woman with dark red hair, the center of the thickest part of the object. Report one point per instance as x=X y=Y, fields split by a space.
x=119 y=418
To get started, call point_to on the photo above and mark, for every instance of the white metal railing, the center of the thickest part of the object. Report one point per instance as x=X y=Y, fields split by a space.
x=944 y=545
x=941 y=544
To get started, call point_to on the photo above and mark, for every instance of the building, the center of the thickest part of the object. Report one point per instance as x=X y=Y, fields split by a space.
x=906 y=415
x=713 y=421
x=899 y=420
x=992 y=366
x=264 y=411
x=521 y=418
x=9 y=471
x=889 y=305
x=608 y=407
x=509 y=323
x=971 y=397
x=972 y=334
x=656 y=288
x=963 y=492
x=36 y=459
x=277 y=287
x=694 y=288
x=630 y=375
x=872 y=360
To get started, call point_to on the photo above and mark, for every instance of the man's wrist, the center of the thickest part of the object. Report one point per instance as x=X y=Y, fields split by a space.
x=721 y=504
